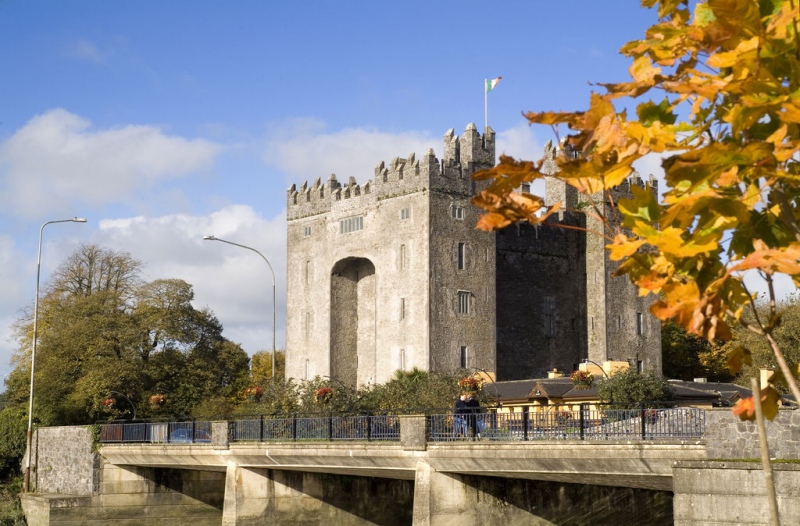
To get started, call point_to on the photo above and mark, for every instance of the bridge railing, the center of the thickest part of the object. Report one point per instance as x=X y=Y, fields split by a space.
x=572 y=422
x=157 y=432
x=259 y=429
x=327 y=427
x=566 y=422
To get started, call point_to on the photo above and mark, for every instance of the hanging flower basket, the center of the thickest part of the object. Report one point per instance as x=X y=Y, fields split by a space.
x=581 y=380
x=108 y=402
x=469 y=384
x=323 y=395
x=253 y=394
x=157 y=400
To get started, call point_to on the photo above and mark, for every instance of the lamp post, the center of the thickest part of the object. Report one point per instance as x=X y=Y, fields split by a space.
x=213 y=238
x=27 y=479
x=610 y=389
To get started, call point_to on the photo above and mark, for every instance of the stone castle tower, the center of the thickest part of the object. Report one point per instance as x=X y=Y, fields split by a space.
x=392 y=275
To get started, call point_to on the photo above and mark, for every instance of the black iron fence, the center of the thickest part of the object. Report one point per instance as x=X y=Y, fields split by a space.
x=157 y=432
x=572 y=422
x=567 y=422
x=326 y=428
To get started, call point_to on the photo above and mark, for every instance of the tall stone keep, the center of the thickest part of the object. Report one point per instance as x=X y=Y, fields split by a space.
x=558 y=301
x=391 y=274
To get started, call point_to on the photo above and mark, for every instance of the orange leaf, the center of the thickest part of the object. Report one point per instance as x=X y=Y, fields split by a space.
x=745 y=409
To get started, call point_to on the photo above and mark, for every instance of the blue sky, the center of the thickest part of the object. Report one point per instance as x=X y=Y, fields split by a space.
x=161 y=122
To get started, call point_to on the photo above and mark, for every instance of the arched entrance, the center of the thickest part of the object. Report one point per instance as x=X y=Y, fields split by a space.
x=353 y=321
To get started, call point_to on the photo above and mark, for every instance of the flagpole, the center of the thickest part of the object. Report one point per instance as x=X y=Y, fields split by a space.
x=485 y=104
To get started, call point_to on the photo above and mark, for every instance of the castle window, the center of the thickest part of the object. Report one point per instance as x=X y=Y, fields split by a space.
x=462 y=259
x=307 y=324
x=464 y=357
x=308 y=272
x=402 y=308
x=351 y=224
x=405 y=213
x=306 y=231
x=457 y=212
x=550 y=325
x=402 y=257
x=402 y=360
x=639 y=324
x=463 y=302
x=308 y=369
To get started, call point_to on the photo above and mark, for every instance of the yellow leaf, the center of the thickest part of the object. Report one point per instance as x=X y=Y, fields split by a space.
x=730 y=58
x=642 y=70
x=623 y=247
x=737 y=358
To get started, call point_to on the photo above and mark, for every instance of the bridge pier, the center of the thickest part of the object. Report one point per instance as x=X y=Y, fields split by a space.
x=246 y=494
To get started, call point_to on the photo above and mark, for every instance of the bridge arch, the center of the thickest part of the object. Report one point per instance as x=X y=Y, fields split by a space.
x=353 y=321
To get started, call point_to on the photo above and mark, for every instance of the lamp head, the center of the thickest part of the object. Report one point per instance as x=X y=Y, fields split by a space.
x=209 y=238
x=78 y=219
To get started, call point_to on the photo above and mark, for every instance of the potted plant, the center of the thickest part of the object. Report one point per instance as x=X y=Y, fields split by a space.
x=253 y=394
x=469 y=384
x=157 y=400
x=323 y=395
x=581 y=380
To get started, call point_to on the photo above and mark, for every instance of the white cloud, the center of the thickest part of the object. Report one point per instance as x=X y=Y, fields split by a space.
x=58 y=161
x=304 y=152
x=84 y=50
x=232 y=281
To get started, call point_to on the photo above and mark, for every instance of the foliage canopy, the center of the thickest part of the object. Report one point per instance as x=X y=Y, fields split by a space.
x=717 y=88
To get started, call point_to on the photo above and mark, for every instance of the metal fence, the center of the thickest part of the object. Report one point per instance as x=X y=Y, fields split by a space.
x=325 y=428
x=574 y=422
x=157 y=432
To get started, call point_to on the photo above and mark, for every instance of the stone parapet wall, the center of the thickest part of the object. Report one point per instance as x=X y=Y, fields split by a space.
x=729 y=437
x=725 y=493
x=64 y=462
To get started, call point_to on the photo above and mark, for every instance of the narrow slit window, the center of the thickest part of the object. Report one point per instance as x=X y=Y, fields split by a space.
x=462 y=256
x=463 y=302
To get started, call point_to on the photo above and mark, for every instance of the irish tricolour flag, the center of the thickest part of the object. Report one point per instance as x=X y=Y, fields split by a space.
x=490 y=84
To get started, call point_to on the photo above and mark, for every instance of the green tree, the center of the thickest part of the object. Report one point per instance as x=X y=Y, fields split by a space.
x=102 y=330
x=261 y=365
x=786 y=333
x=716 y=84
x=630 y=388
x=13 y=436
x=686 y=356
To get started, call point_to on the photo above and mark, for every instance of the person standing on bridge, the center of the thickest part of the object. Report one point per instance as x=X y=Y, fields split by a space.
x=473 y=407
x=460 y=411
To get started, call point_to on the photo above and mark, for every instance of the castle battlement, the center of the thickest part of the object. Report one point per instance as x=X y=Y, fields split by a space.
x=561 y=191
x=463 y=156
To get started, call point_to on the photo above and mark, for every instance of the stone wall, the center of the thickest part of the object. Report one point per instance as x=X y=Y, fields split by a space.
x=727 y=437
x=725 y=493
x=64 y=461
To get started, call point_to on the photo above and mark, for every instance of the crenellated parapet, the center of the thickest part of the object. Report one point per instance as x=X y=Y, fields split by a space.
x=463 y=156
x=560 y=191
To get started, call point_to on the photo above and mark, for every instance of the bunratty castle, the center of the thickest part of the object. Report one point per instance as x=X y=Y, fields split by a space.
x=392 y=274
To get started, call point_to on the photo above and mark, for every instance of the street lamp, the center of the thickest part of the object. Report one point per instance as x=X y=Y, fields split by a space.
x=610 y=389
x=212 y=238
x=26 y=481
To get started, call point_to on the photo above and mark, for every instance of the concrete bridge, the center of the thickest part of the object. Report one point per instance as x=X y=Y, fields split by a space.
x=413 y=481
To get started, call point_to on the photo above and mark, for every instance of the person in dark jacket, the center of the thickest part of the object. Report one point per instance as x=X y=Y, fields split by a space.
x=473 y=408
x=460 y=411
